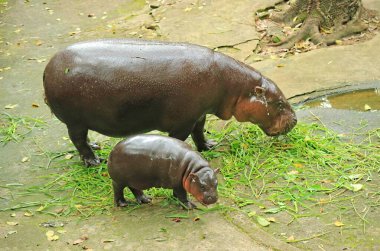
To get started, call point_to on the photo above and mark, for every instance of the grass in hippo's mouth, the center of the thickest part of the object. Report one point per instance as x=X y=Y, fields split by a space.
x=293 y=173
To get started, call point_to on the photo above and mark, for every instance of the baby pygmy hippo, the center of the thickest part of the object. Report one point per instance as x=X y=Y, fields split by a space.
x=145 y=161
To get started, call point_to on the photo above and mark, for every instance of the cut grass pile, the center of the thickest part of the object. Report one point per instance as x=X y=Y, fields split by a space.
x=289 y=173
x=15 y=128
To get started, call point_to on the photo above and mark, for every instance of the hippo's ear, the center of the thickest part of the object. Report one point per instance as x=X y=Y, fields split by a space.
x=260 y=91
x=193 y=177
x=217 y=170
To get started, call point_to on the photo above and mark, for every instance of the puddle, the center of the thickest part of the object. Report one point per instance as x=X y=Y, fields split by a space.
x=361 y=100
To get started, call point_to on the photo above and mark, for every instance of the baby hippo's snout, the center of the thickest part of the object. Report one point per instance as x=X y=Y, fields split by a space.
x=204 y=186
x=210 y=199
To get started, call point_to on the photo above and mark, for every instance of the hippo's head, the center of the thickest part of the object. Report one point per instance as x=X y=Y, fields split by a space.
x=203 y=185
x=266 y=106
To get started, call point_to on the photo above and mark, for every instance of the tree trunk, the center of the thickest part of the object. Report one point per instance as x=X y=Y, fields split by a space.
x=323 y=21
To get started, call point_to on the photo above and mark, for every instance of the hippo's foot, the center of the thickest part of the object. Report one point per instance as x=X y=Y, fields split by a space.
x=94 y=146
x=188 y=205
x=91 y=161
x=121 y=203
x=143 y=199
x=207 y=145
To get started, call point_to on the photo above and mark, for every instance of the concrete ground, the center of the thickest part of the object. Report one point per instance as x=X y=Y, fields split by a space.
x=32 y=31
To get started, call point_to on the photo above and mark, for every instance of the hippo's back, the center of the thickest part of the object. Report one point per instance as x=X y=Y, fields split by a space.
x=117 y=86
x=149 y=160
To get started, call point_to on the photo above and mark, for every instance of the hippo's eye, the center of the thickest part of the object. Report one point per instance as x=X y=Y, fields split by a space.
x=280 y=105
x=203 y=187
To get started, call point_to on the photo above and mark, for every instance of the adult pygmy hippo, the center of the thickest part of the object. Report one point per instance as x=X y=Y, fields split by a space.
x=121 y=87
x=146 y=161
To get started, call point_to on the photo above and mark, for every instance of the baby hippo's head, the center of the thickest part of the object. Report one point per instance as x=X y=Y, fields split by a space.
x=203 y=185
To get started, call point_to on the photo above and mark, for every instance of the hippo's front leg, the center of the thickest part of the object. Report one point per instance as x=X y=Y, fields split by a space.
x=198 y=136
x=78 y=136
x=180 y=193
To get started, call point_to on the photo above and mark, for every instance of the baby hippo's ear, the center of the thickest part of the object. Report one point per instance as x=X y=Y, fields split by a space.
x=194 y=177
x=260 y=91
x=217 y=170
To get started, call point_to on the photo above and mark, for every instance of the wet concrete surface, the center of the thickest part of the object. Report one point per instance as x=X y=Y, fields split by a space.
x=31 y=32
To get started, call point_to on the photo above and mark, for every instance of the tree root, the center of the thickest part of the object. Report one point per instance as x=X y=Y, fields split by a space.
x=309 y=13
x=310 y=29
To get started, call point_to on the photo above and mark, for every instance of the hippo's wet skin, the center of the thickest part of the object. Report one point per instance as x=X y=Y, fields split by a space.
x=123 y=87
x=144 y=161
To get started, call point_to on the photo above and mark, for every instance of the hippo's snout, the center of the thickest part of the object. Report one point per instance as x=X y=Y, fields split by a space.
x=282 y=127
x=210 y=199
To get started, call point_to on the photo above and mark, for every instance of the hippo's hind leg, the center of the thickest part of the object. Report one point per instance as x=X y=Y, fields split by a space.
x=78 y=136
x=140 y=196
x=93 y=145
x=199 y=138
x=118 y=193
x=181 y=195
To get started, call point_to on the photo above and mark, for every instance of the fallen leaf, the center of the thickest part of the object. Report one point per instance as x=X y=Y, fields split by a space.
x=188 y=9
x=367 y=107
x=69 y=156
x=273 y=210
x=338 y=42
x=53 y=238
x=271 y=219
x=108 y=240
x=61 y=231
x=10 y=233
x=38 y=43
x=5 y=69
x=40 y=208
x=13 y=215
x=79 y=241
x=298 y=165
x=356 y=187
x=290 y=238
x=12 y=223
x=10 y=106
x=338 y=223
x=28 y=214
x=59 y=210
x=25 y=159
x=35 y=105
x=280 y=65
x=293 y=172
x=262 y=221
x=49 y=233
x=276 y=39
x=251 y=214
x=176 y=220
x=196 y=219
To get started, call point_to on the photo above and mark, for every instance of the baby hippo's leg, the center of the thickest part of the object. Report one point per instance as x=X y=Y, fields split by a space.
x=119 y=195
x=140 y=196
x=181 y=194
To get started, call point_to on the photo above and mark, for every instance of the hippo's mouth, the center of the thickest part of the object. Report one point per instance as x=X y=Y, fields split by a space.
x=206 y=202
x=279 y=128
